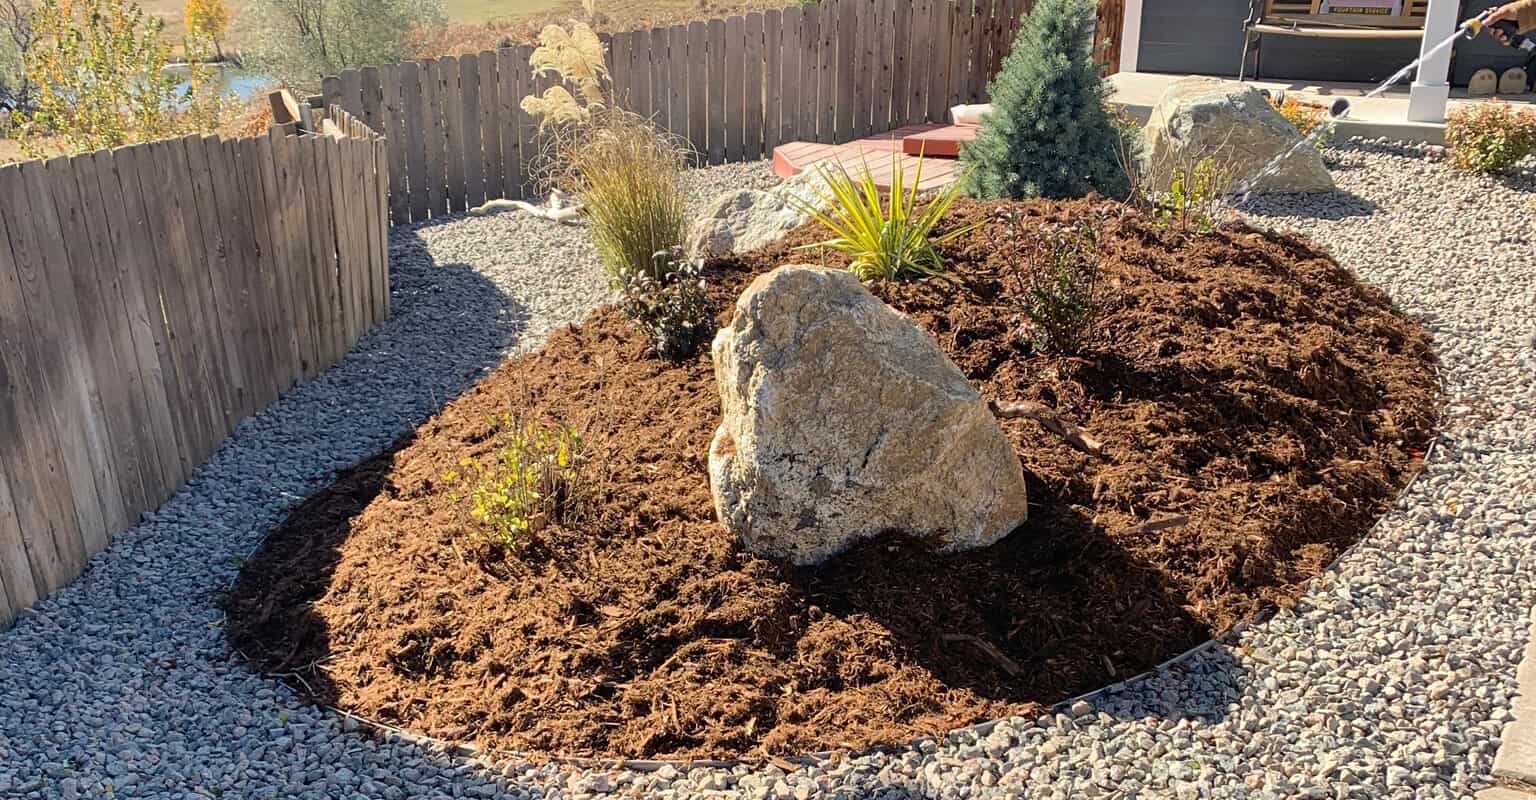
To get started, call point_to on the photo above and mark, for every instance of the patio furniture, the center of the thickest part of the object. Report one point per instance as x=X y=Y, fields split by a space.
x=1346 y=19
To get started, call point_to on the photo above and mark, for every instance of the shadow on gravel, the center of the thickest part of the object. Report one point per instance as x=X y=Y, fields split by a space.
x=1523 y=180
x=297 y=561
x=1331 y=206
x=449 y=326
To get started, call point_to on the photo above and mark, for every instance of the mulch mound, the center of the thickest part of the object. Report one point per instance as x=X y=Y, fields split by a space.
x=1240 y=380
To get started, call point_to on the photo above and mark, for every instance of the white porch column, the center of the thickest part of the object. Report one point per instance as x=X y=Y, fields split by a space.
x=1130 y=35
x=1431 y=86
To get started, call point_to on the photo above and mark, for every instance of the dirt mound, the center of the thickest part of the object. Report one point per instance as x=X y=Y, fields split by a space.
x=1242 y=382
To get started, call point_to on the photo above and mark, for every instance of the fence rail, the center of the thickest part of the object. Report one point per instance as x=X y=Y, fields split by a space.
x=153 y=296
x=734 y=88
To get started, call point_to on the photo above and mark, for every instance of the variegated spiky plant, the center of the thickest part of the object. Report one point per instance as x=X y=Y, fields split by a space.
x=576 y=56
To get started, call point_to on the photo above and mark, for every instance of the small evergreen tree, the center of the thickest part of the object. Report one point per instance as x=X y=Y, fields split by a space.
x=1049 y=134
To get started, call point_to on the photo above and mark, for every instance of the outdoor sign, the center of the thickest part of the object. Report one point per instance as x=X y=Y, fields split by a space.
x=1375 y=8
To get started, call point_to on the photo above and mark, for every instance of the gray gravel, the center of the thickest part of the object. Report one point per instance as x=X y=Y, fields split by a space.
x=1391 y=679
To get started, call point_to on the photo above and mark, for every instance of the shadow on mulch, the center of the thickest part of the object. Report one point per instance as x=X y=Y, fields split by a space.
x=1075 y=610
x=1243 y=383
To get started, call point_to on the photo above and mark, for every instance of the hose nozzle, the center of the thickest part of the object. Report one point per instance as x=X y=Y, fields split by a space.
x=1475 y=25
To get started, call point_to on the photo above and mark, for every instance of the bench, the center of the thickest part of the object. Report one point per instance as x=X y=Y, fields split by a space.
x=1353 y=21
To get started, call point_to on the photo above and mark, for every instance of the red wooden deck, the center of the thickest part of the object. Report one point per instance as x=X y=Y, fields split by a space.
x=938 y=143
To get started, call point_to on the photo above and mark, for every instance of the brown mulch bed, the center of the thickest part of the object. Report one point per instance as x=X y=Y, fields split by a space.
x=1241 y=380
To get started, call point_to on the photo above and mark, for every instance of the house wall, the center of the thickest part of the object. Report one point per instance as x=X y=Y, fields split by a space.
x=1206 y=37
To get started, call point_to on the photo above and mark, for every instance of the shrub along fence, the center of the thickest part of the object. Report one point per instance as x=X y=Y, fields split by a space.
x=153 y=296
x=734 y=88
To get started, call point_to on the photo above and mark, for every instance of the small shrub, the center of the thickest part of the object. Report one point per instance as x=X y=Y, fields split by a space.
x=885 y=237
x=669 y=305
x=1304 y=117
x=1049 y=134
x=532 y=480
x=1057 y=270
x=1489 y=137
x=1195 y=197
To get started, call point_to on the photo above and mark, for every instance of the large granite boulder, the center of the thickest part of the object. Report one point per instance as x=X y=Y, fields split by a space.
x=1231 y=122
x=740 y=220
x=842 y=420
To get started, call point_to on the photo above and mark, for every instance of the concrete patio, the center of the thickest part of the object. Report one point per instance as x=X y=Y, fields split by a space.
x=1371 y=117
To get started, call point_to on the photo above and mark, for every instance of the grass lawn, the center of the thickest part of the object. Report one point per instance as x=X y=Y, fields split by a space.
x=459 y=11
x=472 y=11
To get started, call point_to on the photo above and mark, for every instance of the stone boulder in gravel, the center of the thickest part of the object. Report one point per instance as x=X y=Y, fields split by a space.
x=745 y=219
x=843 y=420
x=1197 y=117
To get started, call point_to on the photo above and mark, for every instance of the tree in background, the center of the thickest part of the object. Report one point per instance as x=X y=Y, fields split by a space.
x=16 y=37
x=99 y=71
x=300 y=41
x=208 y=20
x=1049 y=134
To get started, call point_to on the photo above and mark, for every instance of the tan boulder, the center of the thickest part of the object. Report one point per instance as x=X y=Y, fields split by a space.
x=1234 y=124
x=842 y=420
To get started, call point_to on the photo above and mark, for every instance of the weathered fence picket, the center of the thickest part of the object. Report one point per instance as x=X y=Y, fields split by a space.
x=153 y=296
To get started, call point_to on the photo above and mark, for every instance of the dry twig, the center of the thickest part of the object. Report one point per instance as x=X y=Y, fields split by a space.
x=1009 y=665
x=1155 y=525
x=1049 y=420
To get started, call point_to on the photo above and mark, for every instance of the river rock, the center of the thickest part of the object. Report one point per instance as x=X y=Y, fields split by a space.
x=1231 y=122
x=842 y=420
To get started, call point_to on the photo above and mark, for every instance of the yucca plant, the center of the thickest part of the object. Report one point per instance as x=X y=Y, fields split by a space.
x=886 y=237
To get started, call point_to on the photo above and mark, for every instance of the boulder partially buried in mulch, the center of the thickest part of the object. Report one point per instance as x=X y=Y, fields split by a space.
x=1259 y=408
x=843 y=420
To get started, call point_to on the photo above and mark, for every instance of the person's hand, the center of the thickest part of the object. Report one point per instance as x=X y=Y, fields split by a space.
x=1499 y=14
x=1506 y=11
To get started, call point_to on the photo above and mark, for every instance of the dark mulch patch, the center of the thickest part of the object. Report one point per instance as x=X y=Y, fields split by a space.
x=1243 y=380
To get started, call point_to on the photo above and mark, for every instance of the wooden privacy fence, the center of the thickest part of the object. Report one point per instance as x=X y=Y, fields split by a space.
x=734 y=88
x=1108 y=28
x=153 y=296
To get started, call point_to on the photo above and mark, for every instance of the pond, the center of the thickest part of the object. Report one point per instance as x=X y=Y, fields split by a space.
x=230 y=79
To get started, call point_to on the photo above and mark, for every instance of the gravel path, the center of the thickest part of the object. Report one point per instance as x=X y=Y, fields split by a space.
x=1392 y=678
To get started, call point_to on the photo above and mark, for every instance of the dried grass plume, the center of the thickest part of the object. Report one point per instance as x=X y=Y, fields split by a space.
x=576 y=55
